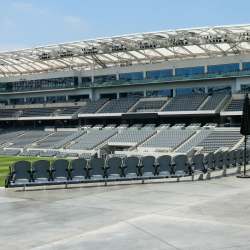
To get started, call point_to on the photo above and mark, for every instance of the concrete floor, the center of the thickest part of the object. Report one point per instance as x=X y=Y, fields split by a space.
x=165 y=214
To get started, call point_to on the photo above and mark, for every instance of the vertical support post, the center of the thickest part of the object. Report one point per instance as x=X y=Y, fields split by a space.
x=208 y=175
x=66 y=185
x=24 y=187
x=245 y=155
x=224 y=173
x=142 y=181
x=178 y=178
x=201 y=177
x=106 y=183
x=192 y=177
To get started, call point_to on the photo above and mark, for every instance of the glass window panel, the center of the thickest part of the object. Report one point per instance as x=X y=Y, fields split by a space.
x=246 y=65
x=223 y=68
x=165 y=92
x=131 y=94
x=190 y=91
x=219 y=89
x=190 y=71
x=105 y=78
x=160 y=73
x=2 y=86
x=86 y=79
x=138 y=75
x=78 y=97
x=111 y=95
x=245 y=87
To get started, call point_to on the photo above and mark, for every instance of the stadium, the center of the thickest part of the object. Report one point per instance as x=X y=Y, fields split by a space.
x=123 y=111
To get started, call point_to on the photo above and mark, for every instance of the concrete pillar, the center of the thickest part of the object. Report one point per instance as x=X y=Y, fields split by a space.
x=241 y=65
x=173 y=71
x=117 y=76
x=206 y=68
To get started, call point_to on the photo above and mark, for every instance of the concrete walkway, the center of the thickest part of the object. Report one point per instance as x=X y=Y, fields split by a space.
x=165 y=214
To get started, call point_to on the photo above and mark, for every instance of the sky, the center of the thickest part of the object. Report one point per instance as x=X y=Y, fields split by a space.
x=26 y=24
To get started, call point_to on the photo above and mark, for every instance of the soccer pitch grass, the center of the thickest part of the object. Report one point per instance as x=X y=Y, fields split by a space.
x=6 y=161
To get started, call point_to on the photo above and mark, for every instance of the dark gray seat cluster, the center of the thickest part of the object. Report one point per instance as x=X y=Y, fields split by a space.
x=148 y=105
x=214 y=101
x=4 y=113
x=168 y=139
x=69 y=111
x=189 y=102
x=92 y=107
x=68 y=139
x=121 y=105
x=10 y=134
x=218 y=139
x=10 y=152
x=235 y=105
x=35 y=112
x=92 y=139
x=79 y=170
x=33 y=153
x=49 y=154
x=28 y=138
x=96 y=169
x=53 y=138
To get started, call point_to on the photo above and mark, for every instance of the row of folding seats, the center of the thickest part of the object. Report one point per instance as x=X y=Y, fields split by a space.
x=28 y=138
x=194 y=141
x=168 y=139
x=10 y=152
x=115 y=167
x=53 y=138
x=189 y=102
x=5 y=113
x=45 y=111
x=69 y=111
x=92 y=139
x=214 y=101
x=121 y=105
x=235 y=105
x=68 y=139
x=149 y=104
x=92 y=107
x=10 y=134
x=218 y=139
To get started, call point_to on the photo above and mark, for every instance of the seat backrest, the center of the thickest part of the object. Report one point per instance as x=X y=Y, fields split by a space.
x=78 y=165
x=180 y=161
x=198 y=160
x=217 y=157
x=224 y=157
x=237 y=155
x=96 y=165
x=231 y=156
x=41 y=166
x=59 y=166
x=164 y=162
x=209 y=158
x=148 y=163
x=114 y=163
x=21 y=168
x=131 y=163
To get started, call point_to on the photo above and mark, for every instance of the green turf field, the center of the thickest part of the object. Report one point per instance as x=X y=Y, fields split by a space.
x=6 y=161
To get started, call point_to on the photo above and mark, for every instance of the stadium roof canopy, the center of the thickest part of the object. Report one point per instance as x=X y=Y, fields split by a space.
x=142 y=48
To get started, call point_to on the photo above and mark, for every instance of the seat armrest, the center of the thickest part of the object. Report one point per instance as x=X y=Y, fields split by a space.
x=172 y=164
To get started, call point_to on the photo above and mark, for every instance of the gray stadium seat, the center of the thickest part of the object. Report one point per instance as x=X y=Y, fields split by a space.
x=40 y=170
x=224 y=159
x=164 y=164
x=198 y=163
x=148 y=165
x=131 y=166
x=209 y=160
x=114 y=167
x=238 y=157
x=21 y=171
x=78 y=168
x=181 y=164
x=231 y=158
x=217 y=160
x=96 y=168
x=60 y=169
